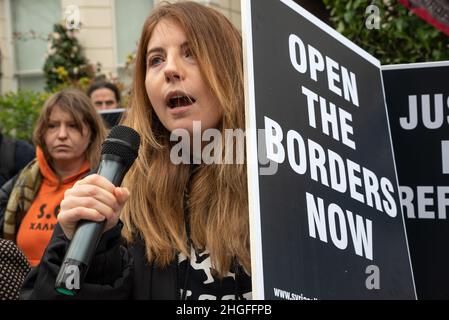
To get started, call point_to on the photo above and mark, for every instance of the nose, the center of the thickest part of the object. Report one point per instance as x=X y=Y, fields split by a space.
x=62 y=133
x=101 y=105
x=173 y=70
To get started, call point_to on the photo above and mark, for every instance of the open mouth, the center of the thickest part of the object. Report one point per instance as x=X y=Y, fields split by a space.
x=180 y=101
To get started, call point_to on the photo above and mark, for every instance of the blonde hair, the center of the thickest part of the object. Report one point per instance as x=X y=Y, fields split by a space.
x=79 y=106
x=218 y=200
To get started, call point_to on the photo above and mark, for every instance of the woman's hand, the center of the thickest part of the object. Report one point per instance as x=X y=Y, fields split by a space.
x=93 y=198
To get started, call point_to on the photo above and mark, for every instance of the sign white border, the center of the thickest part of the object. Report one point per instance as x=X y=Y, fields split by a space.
x=116 y=110
x=251 y=155
x=415 y=65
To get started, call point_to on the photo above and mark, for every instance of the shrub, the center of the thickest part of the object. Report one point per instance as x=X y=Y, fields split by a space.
x=19 y=112
x=401 y=38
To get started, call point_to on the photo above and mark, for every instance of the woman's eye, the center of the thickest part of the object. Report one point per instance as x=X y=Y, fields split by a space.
x=154 y=61
x=188 y=53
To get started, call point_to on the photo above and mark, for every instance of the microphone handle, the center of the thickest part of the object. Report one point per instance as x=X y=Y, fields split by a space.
x=87 y=235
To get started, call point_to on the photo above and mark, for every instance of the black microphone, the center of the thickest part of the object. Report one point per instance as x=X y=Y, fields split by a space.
x=118 y=153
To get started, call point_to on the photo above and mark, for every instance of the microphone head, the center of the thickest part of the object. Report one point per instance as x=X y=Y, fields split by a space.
x=123 y=142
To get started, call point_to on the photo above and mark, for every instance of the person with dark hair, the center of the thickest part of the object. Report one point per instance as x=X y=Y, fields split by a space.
x=14 y=155
x=106 y=98
x=104 y=95
x=68 y=137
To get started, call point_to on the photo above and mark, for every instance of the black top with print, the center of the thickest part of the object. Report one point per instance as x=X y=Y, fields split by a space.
x=202 y=285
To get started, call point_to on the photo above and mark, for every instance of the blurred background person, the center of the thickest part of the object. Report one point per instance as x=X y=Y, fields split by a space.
x=68 y=137
x=106 y=98
x=104 y=95
x=14 y=155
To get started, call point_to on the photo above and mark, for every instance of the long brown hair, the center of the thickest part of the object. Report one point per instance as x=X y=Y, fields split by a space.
x=218 y=200
x=78 y=105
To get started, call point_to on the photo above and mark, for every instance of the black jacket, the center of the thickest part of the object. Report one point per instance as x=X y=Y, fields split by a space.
x=5 y=192
x=15 y=154
x=116 y=272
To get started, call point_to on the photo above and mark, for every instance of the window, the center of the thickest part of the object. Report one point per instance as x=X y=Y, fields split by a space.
x=129 y=17
x=32 y=21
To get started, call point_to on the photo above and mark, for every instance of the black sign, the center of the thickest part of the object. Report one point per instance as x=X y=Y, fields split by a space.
x=418 y=107
x=112 y=117
x=326 y=223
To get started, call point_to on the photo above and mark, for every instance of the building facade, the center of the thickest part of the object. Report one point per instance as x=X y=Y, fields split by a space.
x=109 y=31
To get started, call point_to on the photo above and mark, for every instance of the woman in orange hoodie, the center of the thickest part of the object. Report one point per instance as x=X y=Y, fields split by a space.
x=68 y=137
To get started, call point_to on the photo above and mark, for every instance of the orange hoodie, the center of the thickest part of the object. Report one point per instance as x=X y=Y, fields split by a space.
x=37 y=226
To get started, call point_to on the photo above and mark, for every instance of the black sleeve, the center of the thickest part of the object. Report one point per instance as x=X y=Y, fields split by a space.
x=109 y=276
x=24 y=153
x=5 y=192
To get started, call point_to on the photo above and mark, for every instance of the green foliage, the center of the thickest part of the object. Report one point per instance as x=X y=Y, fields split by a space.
x=402 y=37
x=19 y=112
x=66 y=64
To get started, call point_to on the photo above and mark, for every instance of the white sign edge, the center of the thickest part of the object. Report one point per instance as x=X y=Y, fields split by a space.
x=416 y=65
x=257 y=279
